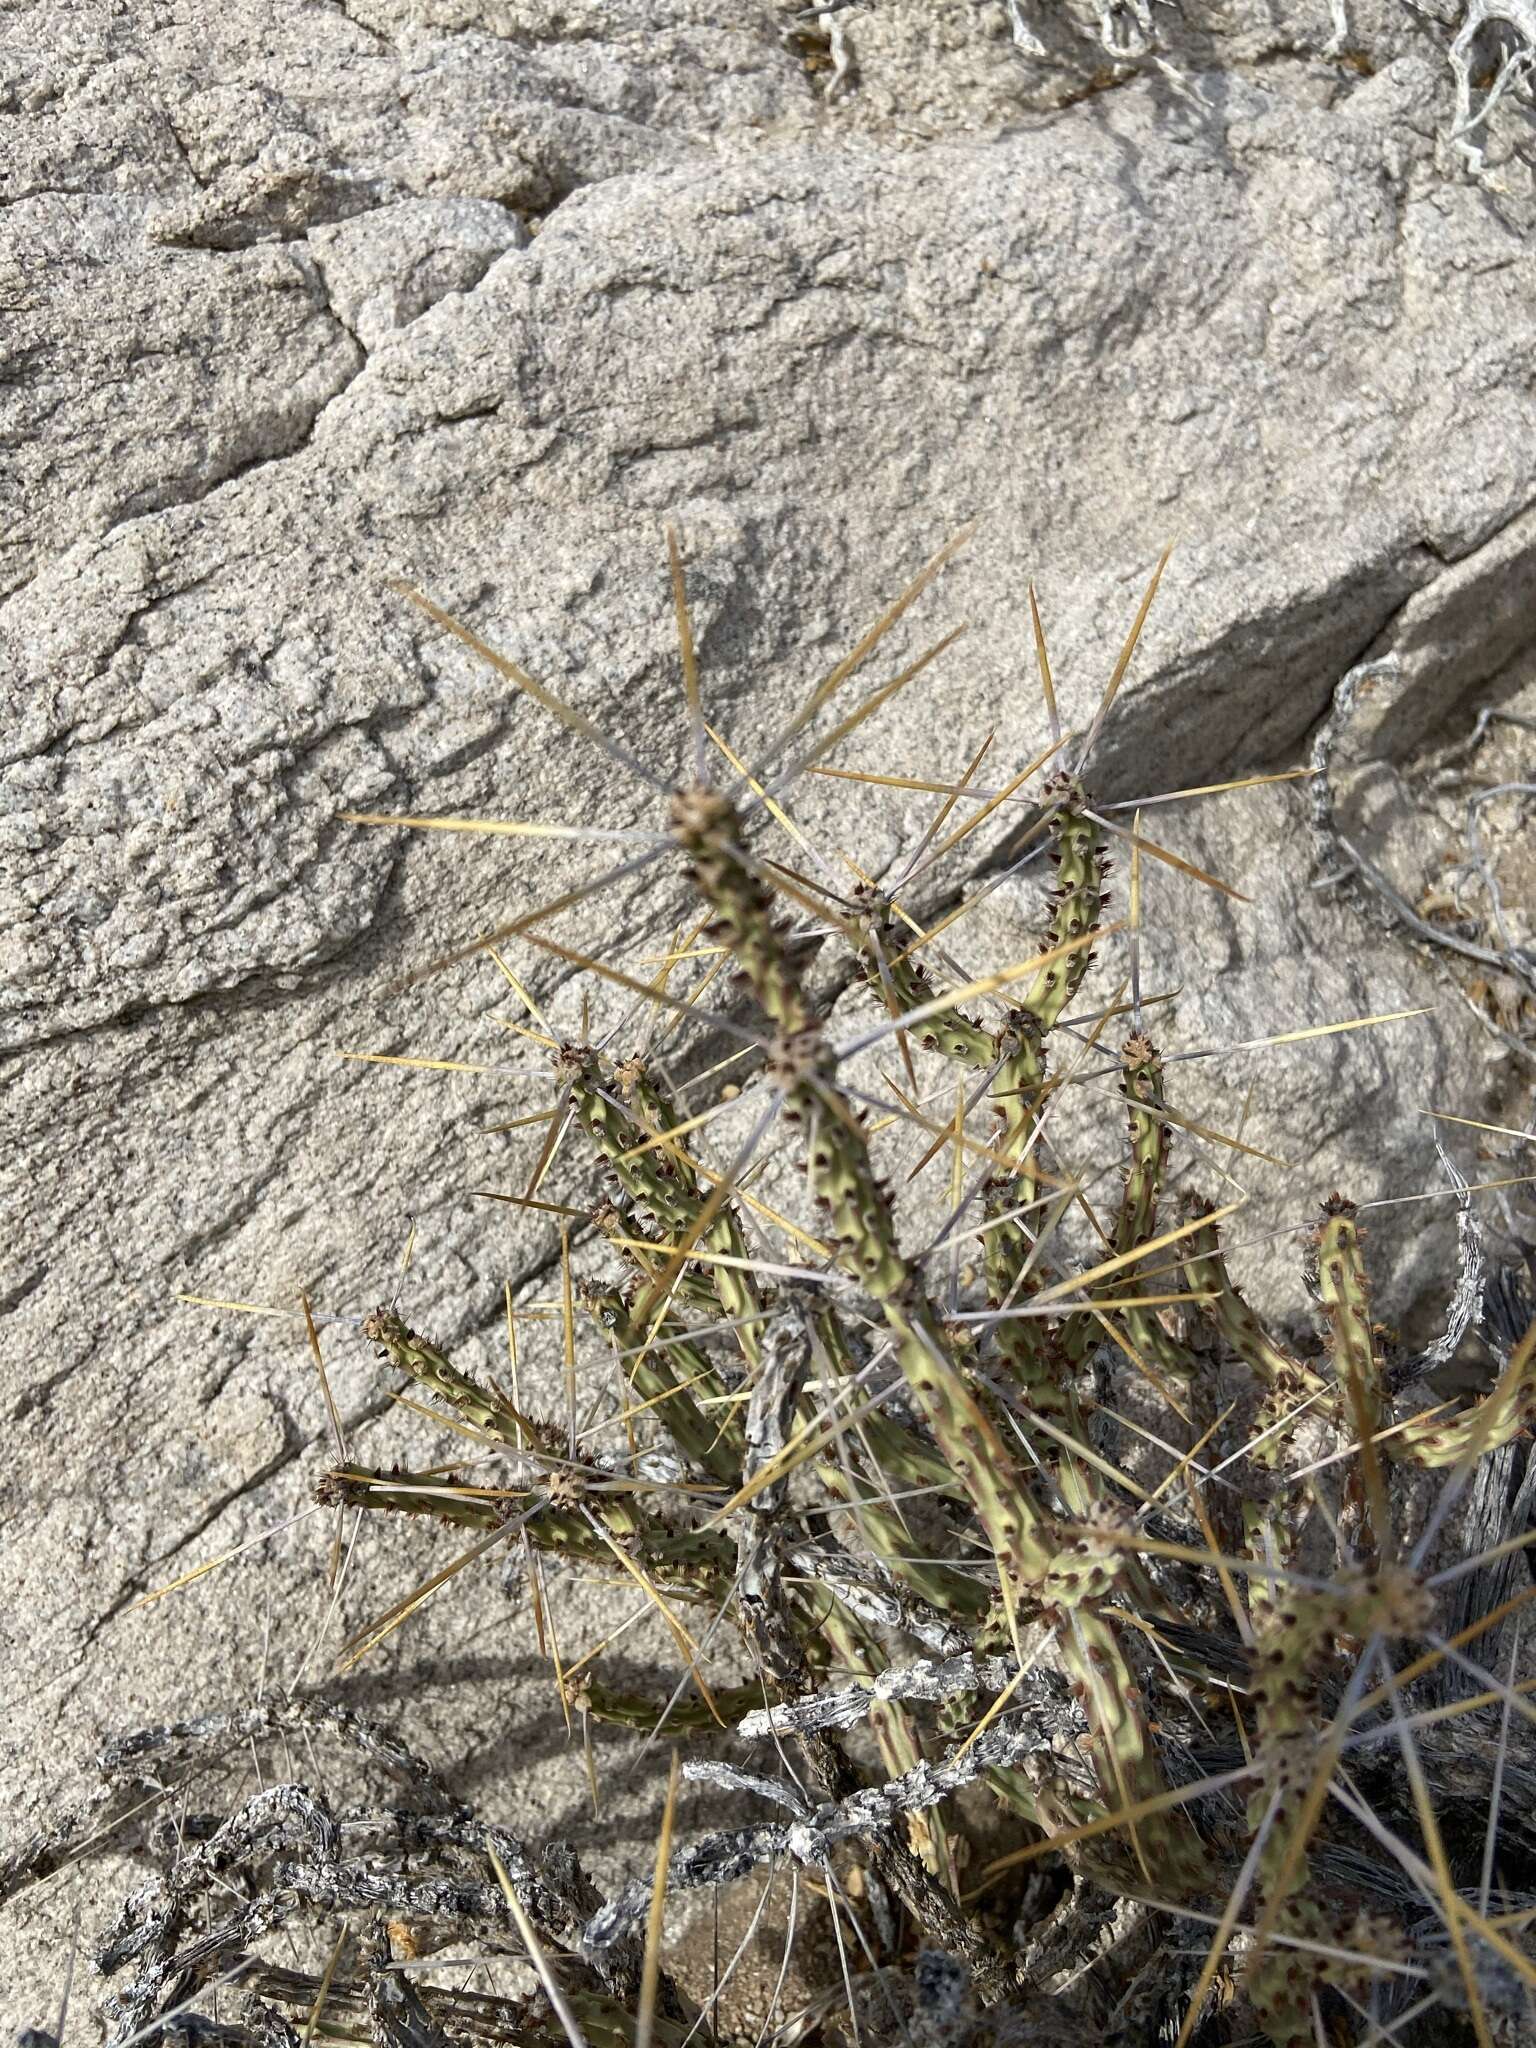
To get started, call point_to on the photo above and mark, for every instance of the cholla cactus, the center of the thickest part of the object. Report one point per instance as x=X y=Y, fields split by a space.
x=1207 y=1669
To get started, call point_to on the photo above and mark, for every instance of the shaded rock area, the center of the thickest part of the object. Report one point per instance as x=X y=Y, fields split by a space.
x=300 y=299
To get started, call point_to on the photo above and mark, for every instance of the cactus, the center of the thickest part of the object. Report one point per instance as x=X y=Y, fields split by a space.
x=921 y=1512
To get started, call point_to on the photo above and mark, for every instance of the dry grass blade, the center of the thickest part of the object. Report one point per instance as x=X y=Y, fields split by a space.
x=834 y=679
x=523 y=996
x=1043 y=663
x=1472 y=1123
x=213 y=1564
x=918 y=783
x=1434 y=1842
x=867 y=709
x=680 y=1005
x=650 y=1974
x=559 y=2003
x=1005 y=795
x=1078 y=1282
x=369 y=1638
x=403 y=1059
x=559 y=1123
x=1117 y=674
x=687 y=1647
x=1140 y=844
x=961 y=788
x=333 y=1419
x=1173 y=796
x=567 y=900
x=1216 y=1955
x=1111 y=1823
x=324 y=1992
x=689 y=656
x=667 y=1140
x=1303 y=1033
x=506 y=828
x=526 y=1201
x=240 y=1308
x=575 y=721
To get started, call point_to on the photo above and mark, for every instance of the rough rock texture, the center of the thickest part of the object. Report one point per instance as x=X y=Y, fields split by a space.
x=302 y=298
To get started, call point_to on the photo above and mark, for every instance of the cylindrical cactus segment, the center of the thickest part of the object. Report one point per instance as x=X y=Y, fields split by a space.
x=585 y=1694
x=657 y=1179
x=894 y=973
x=1205 y=1271
x=1293 y=1386
x=1141 y=1083
x=1297 y=1629
x=1164 y=1844
x=879 y=1455
x=1015 y=1056
x=626 y=1232
x=859 y=1219
x=1030 y=1346
x=683 y=1561
x=1077 y=901
x=733 y=1285
x=431 y=1368
x=1509 y=1408
x=650 y=1175
x=1341 y=1287
x=672 y=1375
x=864 y=1238
x=1292 y=1389
x=899 y=1454
x=432 y=1496
x=943 y=1587
x=706 y=827
x=1019 y=1531
x=1042 y=1357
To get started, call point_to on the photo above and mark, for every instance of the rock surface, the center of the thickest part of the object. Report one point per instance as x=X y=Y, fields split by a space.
x=302 y=299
